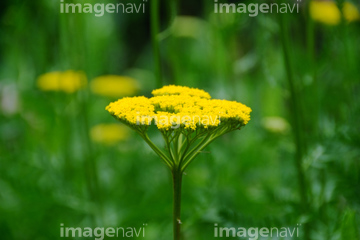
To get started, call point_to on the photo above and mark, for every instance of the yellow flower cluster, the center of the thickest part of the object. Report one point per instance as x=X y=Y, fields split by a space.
x=114 y=86
x=179 y=90
x=327 y=12
x=68 y=81
x=129 y=109
x=180 y=107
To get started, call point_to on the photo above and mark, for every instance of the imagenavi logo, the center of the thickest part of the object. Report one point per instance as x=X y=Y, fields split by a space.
x=99 y=9
x=253 y=233
x=253 y=9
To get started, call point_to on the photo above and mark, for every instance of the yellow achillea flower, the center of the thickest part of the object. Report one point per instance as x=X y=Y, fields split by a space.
x=180 y=112
x=114 y=86
x=108 y=133
x=176 y=106
x=68 y=81
x=188 y=120
x=327 y=12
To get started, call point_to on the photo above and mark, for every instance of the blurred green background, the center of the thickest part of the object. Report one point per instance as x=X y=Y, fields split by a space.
x=297 y=161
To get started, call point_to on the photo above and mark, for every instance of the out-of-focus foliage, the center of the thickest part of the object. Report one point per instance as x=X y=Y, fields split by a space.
x=56 y=163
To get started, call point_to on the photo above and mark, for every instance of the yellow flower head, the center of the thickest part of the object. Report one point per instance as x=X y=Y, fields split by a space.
x=327 y=12
x=187 y=118
x=114 y=86
x=108 y=133
x=175 y=107
x=68 y=81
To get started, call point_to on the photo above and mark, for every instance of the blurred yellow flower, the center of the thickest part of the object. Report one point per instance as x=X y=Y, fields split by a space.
x=108 y=133
x=114 y=86
x=68 y=81
x=327 y=12
x=351 y=13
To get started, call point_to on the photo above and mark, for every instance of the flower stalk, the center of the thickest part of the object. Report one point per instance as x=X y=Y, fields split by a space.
x=155 y=29
x=296 y=123
x=177 y=181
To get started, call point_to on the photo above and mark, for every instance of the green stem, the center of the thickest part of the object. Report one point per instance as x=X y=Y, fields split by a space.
x=296 y=122
x=154 y=21
x=204 y=143
x=90 y=165
x=177 y=179
x=185 y=155
x=195 y=153
x=168 y=146
x=173 y=41
x=176 y=148
x=310 y=33
x=167 y=161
